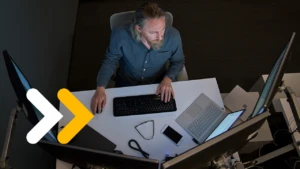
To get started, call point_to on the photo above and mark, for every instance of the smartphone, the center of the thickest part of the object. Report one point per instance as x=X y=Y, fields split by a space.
x=172 y=134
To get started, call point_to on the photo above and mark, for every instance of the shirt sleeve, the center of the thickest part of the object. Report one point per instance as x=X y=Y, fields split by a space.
x=177 y=58
x=112 y=57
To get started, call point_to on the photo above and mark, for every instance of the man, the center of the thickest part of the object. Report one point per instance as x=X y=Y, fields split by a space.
x=142 y=49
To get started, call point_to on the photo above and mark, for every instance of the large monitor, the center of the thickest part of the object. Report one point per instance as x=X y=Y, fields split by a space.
x=225 y=144
x=274 y=79
x=84 y=157
x=21 y=86
x=234 y=139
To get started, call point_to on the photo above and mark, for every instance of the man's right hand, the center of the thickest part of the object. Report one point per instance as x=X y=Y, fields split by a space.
x=99 y=100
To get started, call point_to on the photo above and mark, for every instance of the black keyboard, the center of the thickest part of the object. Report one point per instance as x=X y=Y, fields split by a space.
x=142 y=104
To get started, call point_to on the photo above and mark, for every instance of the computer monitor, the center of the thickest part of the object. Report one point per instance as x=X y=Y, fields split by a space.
x=235 y=138
x=21 y=86
x=83 y=157
x=274 y=80
x=225 y=144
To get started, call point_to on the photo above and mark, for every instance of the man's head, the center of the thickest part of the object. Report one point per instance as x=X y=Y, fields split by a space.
x=149 y=24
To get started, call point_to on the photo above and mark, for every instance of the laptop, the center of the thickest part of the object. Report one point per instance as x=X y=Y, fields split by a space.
x=238 y=99
x=204 y=119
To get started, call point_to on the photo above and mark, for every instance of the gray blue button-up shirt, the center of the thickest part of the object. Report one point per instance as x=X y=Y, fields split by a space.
x=139 y=63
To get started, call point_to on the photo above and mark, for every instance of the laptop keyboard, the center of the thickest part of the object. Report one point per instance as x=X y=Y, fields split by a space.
x=206 y=119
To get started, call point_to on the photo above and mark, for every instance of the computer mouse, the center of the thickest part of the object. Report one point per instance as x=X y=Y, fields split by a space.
x=97 y=111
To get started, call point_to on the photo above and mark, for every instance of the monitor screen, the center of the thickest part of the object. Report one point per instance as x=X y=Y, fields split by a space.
x=225 y=125
x=21 y=86
x=273 y=81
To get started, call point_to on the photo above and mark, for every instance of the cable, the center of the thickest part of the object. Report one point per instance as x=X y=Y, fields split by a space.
x=296 y=164
x=273 y=142
x=288 y=164
x=296 y=158
x=277 y=132
x=294 y=131
x=145 y=154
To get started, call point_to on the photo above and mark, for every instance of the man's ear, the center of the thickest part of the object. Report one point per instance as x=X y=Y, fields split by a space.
x=138 y=28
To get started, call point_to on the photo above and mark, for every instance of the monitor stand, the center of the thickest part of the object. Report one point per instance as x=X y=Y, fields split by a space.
x=4 y=159
x=295 y=107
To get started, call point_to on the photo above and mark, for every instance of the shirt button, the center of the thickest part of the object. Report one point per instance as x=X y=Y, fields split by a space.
x=146 y=62
x=142 y=77
x=144 y=69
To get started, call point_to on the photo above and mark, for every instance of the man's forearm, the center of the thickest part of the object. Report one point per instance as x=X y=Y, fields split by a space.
x=106 y=71
x=174 y=69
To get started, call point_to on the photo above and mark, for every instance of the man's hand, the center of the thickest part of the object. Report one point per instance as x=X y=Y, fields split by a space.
x=99 y=100
x=165 y=89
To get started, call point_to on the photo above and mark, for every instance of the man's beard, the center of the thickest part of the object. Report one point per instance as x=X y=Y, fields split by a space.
x=155 y=45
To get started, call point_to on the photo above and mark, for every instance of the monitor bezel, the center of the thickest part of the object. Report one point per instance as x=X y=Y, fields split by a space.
x=18 y=87
x=66 y=159
x=277 y=80
x=236 y=129
x=28 y=109
x=280 y=72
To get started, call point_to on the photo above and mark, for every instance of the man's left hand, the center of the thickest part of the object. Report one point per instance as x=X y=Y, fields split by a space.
x=165 y=89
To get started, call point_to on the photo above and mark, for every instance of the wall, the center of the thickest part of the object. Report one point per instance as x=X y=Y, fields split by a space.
x=38 y=35
x=234 y=41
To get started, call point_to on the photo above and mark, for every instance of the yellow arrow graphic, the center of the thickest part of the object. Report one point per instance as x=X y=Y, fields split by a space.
x=82 y=116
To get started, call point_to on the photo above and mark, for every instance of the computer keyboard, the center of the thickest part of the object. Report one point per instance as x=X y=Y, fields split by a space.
x=142 y=104
x=202 y=122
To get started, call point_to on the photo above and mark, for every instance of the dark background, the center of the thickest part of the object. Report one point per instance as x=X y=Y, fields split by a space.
x=38 y=35
x=62 y=43
x=234 y=41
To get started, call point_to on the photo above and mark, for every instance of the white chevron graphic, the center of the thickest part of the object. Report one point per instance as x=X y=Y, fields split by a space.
x=51 y=116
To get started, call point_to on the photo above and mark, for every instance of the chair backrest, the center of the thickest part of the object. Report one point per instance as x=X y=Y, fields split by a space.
x=123 y=18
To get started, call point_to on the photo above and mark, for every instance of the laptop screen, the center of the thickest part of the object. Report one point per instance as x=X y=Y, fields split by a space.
x=227 y=122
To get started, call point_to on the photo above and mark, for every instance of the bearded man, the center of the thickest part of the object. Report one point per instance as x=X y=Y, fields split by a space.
x=142 y=49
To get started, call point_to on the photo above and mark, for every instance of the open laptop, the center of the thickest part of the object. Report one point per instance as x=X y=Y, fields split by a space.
x=204 y=119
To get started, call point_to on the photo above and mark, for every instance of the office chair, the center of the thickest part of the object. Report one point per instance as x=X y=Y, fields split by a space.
x=123 y=18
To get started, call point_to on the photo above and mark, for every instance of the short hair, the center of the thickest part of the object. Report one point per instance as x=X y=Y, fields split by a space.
x=148 y=10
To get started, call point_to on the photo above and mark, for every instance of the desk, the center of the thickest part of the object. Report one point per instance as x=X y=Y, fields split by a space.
x=121 y=129
x=290 y=121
